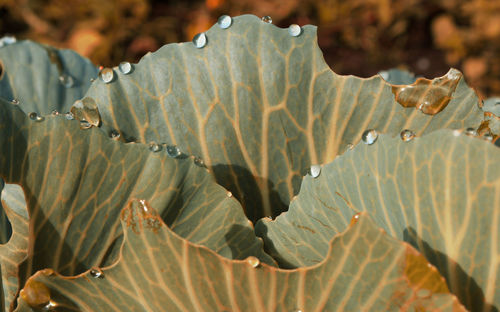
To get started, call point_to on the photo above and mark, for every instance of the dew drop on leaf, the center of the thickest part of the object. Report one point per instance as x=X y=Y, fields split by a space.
x=315 y=170
x=84 y=125
x=15 y=101
x=36 y=294
x=115 y=135
x=106 y=75
x=173 y=151
x=96 y=273
x=86 y=110
x=369 y=136
x=488 y=136
x=407 y=135
x=34 y=116
x=69 y=116
x=294 y=30
x=224 y=21
x=200 y=40
x=7 y=40
x=253 y=261
x=125 y=67
x=199 y=162
x=229 y=194
x=154 y=147
x=384 y=74
x=267 y=19
x=51 y=306
x=470 y=132
x=66 y=80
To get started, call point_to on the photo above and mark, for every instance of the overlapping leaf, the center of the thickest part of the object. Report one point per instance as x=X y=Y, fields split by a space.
x=77 y=181
x=16 y=249
x=364 y=270
x=440 y=192
x=260 y=106
x=42 y=78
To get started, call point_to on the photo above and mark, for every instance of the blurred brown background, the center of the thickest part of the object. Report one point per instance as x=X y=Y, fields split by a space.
x=359 y=37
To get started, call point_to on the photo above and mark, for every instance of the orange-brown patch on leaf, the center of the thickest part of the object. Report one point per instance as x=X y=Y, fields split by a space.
x=35 y=293
x=421 y=275
x=429 y=96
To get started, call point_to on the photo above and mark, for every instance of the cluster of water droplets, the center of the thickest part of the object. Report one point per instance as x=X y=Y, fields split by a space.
x=34 y=116
x=225 y=21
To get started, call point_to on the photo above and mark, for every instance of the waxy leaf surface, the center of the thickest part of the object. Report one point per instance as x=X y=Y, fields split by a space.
x=261 y=106
x=77 y=181
x=440 y=193
x=365 y=270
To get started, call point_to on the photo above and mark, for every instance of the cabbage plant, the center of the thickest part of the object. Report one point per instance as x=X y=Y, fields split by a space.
x=137 y=187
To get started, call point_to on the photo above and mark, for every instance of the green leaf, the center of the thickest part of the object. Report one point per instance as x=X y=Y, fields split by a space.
x=157 y=270
x=77 y=181
x=40 y=76
x=13 y=252
x=261 y=106
x=439 y=192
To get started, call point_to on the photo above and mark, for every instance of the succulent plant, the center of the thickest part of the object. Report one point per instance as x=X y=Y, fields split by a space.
x=138 y=191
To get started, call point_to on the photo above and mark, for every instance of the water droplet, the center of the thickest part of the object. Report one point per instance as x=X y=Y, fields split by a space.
x=67 y=81
x=6 y=40
x=36 y=294
x=355 y=219
x=84 y=125
x=350 y=146
x=200 y=40
x=106 y=75
x=125 y=67
x=154 y=147
x=456 y=133
x=470 y=132
x=96 y=273
x=199 y=162
x=428 y=96
x=384 y=74
x=225 y=21
x=55 y=112
x=454 y=74
x=50 y=306
x=369 y=136
x=407 y=135
x=229 y=194
x=315 y=170
x=115 y=135
x=488 y=136
x=144 y=205
x=253 y=261
x=15 y=101
x=294 y=30
x=267 y=19
x=69 y=116
x=173 y=151
x=34 y=116
x=86 y=110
